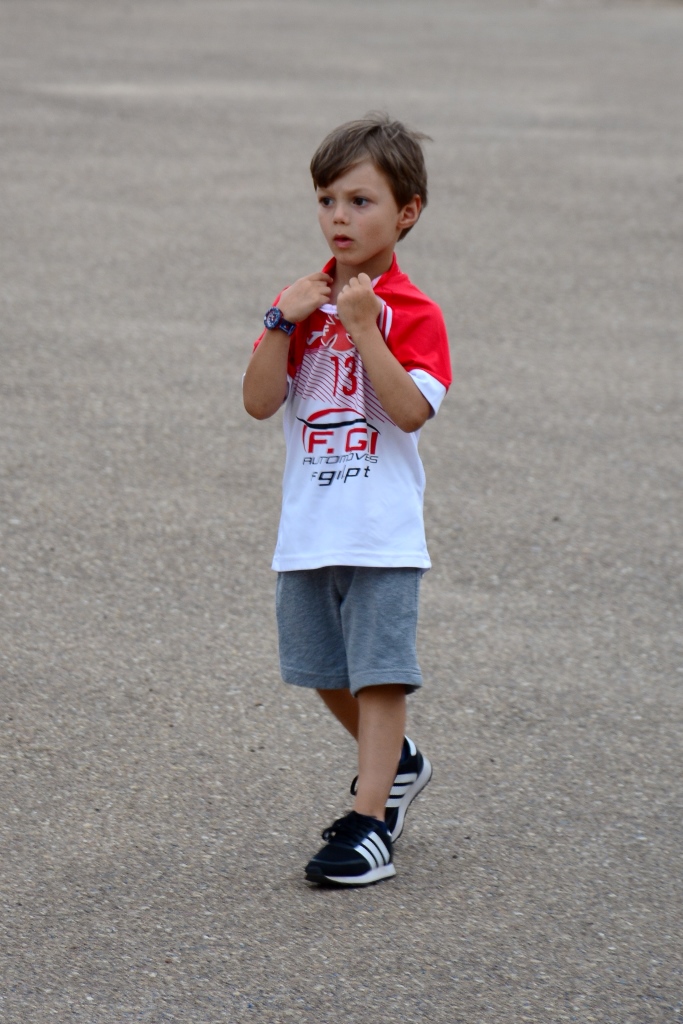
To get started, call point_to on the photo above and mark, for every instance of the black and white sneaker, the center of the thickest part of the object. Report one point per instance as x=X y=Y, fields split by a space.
x=414 y=772
x=357 y=852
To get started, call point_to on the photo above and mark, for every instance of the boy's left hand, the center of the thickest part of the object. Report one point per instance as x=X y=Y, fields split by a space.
x=357 y=305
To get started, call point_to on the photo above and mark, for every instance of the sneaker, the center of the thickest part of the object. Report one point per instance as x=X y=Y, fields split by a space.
x=414 y=772
x=358 y=852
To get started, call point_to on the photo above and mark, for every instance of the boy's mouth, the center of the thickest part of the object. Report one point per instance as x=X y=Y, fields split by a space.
x=342 y=240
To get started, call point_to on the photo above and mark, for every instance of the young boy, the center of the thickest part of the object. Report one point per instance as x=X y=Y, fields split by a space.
x=360 y=359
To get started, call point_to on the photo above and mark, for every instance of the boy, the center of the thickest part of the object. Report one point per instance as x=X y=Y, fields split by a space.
x=360 y=358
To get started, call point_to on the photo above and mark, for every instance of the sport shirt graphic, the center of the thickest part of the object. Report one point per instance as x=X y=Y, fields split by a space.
x=353 y=482
x=319 y=431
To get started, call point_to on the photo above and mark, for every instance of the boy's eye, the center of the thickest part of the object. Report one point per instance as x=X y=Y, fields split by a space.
x=360 y=201
x=325 y=200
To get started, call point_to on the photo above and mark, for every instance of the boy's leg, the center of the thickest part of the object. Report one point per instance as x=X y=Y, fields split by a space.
x=381 y=727
x=414 y=769
x=358 y=849
x=376 y=718
x=344 y=707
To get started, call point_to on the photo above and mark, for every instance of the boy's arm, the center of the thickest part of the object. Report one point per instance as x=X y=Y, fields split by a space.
x=265 y=383
x=358 y=308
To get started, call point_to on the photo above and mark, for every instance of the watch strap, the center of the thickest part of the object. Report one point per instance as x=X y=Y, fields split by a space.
x=275 y=321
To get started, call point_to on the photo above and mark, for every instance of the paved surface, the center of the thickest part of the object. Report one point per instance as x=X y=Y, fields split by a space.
x=161 y=789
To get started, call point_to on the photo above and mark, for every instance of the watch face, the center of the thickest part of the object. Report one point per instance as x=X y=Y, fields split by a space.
x=272 y=318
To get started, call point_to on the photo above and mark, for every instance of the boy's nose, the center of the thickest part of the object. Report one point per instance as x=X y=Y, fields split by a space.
x=340 y=214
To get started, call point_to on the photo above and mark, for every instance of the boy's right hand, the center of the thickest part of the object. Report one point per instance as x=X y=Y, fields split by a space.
x=301 y=298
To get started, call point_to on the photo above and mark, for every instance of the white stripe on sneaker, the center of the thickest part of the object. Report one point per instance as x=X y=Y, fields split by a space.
x=374 y=851
x=401 y=784
x=369 y=854
x=382 y=851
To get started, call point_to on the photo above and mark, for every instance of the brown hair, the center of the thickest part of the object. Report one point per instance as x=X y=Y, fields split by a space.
x=395 y=150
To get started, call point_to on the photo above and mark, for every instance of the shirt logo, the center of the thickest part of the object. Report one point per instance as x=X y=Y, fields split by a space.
x=333 y=335
x=338 y=431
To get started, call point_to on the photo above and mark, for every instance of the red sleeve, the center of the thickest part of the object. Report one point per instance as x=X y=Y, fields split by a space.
x=417 y=336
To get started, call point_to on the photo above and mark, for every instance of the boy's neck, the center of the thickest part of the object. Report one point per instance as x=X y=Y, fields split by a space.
x=342 y=274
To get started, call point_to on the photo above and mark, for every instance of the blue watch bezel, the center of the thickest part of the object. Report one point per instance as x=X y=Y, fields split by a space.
x=274 y=320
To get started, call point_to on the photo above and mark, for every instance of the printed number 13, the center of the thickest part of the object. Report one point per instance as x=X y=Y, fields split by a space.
x=350 y=382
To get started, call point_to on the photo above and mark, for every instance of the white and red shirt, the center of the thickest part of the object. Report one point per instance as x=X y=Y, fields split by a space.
x=353 y=483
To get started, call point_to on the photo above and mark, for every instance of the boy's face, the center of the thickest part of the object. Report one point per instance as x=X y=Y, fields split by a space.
x=361 y=220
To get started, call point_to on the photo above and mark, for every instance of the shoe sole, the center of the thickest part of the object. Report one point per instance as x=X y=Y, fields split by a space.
x=348 y=881
x=420 y=782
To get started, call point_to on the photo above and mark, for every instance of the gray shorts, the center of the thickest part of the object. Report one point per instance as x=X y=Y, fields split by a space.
x=346 y=627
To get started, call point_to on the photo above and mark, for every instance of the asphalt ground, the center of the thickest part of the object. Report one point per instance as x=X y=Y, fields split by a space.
x=161 y=789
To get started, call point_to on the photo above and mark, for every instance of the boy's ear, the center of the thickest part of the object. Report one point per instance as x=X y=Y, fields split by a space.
x=410 y=213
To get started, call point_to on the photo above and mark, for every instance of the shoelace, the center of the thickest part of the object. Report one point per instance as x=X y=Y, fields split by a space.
x=346 y=829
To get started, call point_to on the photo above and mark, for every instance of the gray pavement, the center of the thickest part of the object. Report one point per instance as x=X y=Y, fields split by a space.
x=161 y=789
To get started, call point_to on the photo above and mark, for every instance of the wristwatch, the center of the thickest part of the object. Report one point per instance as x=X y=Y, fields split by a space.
x=274 y=320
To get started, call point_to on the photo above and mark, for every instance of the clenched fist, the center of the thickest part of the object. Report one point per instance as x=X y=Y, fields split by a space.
x=300 y=299
x=357 y=305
